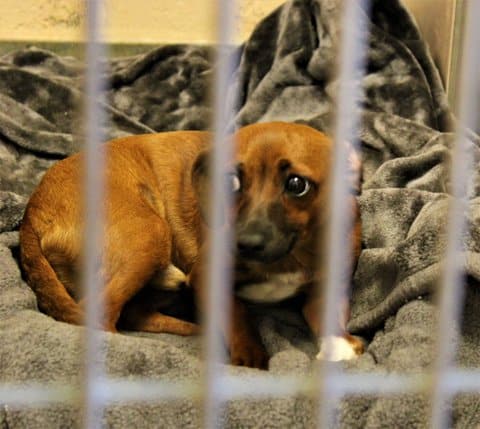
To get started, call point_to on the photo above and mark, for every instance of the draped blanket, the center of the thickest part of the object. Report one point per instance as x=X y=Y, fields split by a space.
x=283 y=72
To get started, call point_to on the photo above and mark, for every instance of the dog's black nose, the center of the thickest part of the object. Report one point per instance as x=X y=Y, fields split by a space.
x=252 y=243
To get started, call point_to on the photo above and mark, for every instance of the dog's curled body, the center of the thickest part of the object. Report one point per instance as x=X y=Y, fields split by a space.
x=152 y=230
x=157 y=192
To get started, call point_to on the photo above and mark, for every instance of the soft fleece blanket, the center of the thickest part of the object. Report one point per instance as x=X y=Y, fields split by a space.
x=283 y=73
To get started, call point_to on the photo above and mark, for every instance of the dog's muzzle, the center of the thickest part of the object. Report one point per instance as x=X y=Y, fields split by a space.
x=263 y=242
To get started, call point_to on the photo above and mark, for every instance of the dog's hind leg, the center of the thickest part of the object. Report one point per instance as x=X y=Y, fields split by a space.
x=52 y=295
x=158 y=323
x=137 y=317
x=141 y=250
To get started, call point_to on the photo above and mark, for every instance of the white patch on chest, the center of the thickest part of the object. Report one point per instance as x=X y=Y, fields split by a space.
x=277 y=288
x=335 y=349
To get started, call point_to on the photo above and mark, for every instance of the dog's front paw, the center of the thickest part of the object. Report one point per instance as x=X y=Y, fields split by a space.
x=339 y=348
x=245 y=351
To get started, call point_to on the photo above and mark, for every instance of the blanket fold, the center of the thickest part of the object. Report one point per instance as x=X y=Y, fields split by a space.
x=284 y=72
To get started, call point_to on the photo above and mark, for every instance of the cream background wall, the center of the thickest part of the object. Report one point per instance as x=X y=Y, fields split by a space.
x=129 y=21
x=187 y=21
x=436 y=20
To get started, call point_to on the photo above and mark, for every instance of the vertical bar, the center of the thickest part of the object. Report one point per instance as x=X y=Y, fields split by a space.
x=451 y=293
x=352 y=58
x=94 y=193
x=219 y=277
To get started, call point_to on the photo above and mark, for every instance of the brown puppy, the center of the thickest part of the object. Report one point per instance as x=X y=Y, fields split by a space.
x=155 y=230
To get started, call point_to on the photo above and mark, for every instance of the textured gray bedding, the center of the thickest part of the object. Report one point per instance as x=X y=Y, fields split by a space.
x=283 y=74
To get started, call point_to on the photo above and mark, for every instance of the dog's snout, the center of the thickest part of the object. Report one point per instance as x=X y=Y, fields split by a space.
x=251 y=242
x=260 y=240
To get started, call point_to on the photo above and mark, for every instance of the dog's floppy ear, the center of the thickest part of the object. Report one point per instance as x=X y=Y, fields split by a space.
x=202 y=186
x=201 y=182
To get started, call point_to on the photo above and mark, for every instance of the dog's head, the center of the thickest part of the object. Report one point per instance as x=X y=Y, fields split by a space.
x=279 y=178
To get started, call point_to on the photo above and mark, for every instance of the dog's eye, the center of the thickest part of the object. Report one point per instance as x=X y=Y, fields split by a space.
x=235 y=183
x=297 y=186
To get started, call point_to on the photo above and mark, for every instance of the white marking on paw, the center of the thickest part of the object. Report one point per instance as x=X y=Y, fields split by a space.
x=336 y=349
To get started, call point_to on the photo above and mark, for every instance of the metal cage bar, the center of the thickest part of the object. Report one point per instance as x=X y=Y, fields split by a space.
x=94 y=213
x=451 y=292
x=219 y=278
x=351 y=68
x=218 y=386
x=118 y=391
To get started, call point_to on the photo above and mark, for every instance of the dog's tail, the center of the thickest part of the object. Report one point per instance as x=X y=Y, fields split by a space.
x=52 y=296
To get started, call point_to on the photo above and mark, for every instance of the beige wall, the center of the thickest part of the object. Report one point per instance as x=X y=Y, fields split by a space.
x=184 y=21
x=436 y=19
x=129 y=21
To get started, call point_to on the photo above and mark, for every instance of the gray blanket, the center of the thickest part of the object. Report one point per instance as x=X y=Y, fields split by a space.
x=283 y=73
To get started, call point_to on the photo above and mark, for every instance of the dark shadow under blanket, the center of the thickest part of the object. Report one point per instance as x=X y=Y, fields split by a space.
x=283 y=74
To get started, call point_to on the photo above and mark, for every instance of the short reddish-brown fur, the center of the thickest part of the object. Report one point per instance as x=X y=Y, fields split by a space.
x=154 y=219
